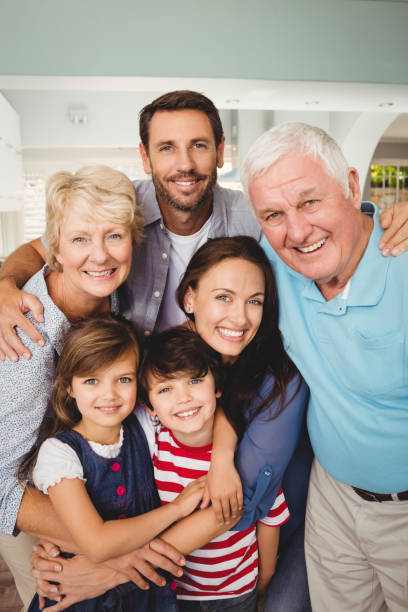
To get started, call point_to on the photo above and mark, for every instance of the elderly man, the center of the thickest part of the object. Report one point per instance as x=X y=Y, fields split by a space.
x=346 y=330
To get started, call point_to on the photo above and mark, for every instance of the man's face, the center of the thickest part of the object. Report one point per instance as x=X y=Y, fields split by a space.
x=182 y=158
x=306 y=218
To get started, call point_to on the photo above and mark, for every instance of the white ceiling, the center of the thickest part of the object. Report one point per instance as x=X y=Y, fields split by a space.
x=236 y=93
x=117 y=100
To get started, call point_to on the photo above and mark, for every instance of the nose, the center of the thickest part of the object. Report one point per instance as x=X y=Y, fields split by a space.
x=99 y=251
x=238 y=313
x=108 y=390
x=185 y=162
x=183 y=394
x=298 y=228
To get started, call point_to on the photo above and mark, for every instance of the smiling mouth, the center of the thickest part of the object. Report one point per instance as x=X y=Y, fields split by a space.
x=108 y=409
x=230 y=333
x=313 y=247
x=187 y=180
x=186 y=414
x=100 y=273
x=186 y=183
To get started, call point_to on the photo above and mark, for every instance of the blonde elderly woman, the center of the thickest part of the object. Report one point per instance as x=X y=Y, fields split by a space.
x=92 y=222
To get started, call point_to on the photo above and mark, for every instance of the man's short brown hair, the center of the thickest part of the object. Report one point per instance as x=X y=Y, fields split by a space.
x=180 y=100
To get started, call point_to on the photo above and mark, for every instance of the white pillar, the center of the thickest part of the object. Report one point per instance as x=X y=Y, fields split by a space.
x=362 y=139
x=251 y=124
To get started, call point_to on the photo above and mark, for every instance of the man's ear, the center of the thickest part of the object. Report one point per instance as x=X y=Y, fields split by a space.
x=220 y=153
x=145 y=159
x=188 y=301
x=354 y=188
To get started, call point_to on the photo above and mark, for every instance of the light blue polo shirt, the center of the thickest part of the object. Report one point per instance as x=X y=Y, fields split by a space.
x=353 y=354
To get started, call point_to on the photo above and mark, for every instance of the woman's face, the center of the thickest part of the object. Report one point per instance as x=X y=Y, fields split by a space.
x=95 y=255
x=228 y=305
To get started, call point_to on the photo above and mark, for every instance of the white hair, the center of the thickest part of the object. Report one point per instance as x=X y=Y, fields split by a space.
x=286 y=138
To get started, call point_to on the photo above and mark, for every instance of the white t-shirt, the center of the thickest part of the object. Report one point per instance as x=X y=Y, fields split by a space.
x=181 y=250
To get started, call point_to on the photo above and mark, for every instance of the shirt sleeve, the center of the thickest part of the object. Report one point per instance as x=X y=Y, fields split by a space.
x=267 y=447
x=24 y=392
x=279 y=513
x=147 y=426
x=56 y=460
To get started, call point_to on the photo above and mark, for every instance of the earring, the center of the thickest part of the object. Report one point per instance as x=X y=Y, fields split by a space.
x=188 y=309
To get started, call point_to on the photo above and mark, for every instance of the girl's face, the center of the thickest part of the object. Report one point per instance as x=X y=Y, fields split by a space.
x=228 y=305
x=105 y=398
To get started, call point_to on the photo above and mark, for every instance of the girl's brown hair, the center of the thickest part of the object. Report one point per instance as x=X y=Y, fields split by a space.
x=91 y=344
x=265 y=353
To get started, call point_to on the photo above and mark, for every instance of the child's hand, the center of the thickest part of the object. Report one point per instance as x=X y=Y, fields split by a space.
x=224 y=488
x=190 y=497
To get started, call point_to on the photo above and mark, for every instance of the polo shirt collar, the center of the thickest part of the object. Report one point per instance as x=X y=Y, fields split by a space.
x=367 y=282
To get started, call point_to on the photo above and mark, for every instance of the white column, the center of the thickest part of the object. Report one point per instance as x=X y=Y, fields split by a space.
x=11 y=178
x=251 y=124
x=362 y=139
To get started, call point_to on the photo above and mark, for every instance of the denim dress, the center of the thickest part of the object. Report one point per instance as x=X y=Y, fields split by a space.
x=119 y=488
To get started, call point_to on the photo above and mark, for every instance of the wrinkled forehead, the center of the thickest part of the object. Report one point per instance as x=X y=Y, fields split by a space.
x=294 y=174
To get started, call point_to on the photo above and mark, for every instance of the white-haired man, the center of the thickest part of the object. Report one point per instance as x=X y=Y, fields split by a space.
x=347 y=333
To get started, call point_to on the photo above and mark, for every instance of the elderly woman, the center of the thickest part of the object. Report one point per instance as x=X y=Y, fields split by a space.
x=92 y=222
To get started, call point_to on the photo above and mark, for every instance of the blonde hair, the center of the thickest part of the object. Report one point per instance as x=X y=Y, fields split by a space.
x=98 y=193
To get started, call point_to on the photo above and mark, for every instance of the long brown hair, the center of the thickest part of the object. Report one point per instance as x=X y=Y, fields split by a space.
x=265 y=353
x=90 y=345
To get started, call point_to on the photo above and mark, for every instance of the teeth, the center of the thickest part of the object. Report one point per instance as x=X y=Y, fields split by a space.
x=187 y=413
x=312 y=247
x=230 y=332
x=107 y=409
x=102 y=273
x=184 y=183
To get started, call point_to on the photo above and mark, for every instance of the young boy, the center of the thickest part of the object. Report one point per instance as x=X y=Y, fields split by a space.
x=179 y=385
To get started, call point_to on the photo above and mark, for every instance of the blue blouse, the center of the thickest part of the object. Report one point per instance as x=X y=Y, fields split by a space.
x=267 y=446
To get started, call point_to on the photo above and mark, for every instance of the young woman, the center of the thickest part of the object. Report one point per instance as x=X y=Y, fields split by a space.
x=229 y=295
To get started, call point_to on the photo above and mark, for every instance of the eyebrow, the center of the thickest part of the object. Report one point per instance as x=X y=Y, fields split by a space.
x=160 y=143
x=234 y=292
x=306 y=192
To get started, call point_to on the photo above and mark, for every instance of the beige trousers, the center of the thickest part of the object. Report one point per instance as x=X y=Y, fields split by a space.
x=16 y=553
x=356 y=550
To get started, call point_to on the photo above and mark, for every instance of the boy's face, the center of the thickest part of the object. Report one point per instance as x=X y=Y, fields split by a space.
x=186 y=406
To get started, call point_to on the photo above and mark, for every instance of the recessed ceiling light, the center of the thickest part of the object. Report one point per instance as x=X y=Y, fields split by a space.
x=232 y=101
x=385 y=104
x=312 y=102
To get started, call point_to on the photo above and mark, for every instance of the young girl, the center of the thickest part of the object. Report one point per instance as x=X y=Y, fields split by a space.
x=96 y=467
x=179 y=384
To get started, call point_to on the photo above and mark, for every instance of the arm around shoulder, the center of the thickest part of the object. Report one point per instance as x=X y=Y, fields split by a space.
x=16 y=270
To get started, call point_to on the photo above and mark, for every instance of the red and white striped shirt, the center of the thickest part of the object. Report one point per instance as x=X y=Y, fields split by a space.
x=228 y=565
